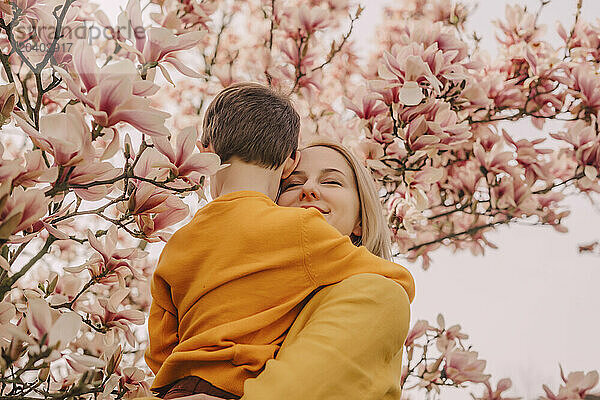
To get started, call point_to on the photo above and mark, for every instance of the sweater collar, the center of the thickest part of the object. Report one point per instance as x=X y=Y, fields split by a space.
x=242 y=194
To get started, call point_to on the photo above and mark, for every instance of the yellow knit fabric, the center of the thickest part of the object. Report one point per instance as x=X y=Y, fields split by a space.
x=229 y=285
x=346 y=344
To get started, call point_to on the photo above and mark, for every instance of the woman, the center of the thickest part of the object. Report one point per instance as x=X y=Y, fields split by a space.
x=347 y=341
x=350 y=193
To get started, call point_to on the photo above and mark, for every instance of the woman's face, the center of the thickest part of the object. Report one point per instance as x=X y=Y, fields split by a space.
x=325 y=181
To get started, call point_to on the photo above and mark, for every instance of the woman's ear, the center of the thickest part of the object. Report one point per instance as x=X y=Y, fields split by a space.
x=290 y=165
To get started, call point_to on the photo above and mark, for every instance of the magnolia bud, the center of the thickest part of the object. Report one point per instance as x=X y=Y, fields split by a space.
x=43 y=374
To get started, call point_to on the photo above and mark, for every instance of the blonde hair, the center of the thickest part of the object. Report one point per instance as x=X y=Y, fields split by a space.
x=375 y=231
x=253 y=122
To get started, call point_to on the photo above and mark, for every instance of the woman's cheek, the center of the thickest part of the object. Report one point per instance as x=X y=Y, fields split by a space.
x=284 y=199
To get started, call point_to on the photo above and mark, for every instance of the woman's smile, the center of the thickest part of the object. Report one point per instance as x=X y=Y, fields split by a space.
x=318 y=208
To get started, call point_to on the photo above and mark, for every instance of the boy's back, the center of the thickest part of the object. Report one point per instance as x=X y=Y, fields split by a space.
x=230 y=284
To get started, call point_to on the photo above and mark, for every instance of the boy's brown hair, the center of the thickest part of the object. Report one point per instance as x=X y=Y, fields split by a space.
x=252 y=122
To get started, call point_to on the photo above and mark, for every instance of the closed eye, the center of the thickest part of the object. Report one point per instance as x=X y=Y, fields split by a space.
x=332 y=183
x=289 y=185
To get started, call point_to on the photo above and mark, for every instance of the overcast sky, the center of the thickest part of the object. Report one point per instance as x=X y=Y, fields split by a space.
x=534 y=302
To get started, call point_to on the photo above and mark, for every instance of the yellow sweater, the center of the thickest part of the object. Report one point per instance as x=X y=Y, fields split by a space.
x=229 y=285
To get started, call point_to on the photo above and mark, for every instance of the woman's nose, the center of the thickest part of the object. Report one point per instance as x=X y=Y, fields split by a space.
x=309 y=192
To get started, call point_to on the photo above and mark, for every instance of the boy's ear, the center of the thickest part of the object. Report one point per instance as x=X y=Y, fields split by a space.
x=358 y=229
x=207 y=149
x=290 y=165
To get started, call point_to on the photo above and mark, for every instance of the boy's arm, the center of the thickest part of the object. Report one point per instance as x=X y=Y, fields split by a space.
x=331 y=257
x=162 y=325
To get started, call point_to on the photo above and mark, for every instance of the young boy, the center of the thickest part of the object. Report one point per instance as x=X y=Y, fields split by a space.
x=229 y=285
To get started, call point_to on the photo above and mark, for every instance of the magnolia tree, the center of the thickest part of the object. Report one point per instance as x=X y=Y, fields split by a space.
x=99 y=159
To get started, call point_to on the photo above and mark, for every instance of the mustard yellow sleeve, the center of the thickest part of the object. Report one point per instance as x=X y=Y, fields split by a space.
x=330 y=257
x=162 y=325
x=345 y=344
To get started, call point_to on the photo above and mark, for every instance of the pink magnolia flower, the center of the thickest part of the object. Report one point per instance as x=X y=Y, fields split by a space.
x=9 y=169
x=454 y=332
x=519 y=25
x=8 y=94
x=513 y=193
x=419 y=329
x=35 y=170
x=463 y=366
x=57 y=331
x=114 y=93
x=385 y=92
x=577 y=386
x=502 y=386
x=147 y=199
x=89 y=173
x=382 y=131
x=424 y=178
x=445 y=125
x=45 y=30
x=184 y=162
x=154 y=208
x=405 y=212
x=579 y=382
x=299 y=61
x=582 y=136
x=416 y=135
x=370 y=106
x=445 y=345
x=151 y=225
x=402 y=66
x=133 y=379
x=159 y=46
x=66 y=289
x=441 y=121
x=584 y=40
x=493 y=161
x=64 y=135
x=33 y=13
x=185 y=16
x=396 y=149
x=81 y=363
x=449 y=11
x=105 y=312
x=587 y=87
x=7 y=312
x=22 y=209
x=311 y=19
x=475 y=94
x=447 y=341
x=464 y=176
x=107 y=145
x=131 y=20
x=528 y=155
x=110 y=262
x=155 y=46
x=444 y=51
x=504 y=92
x=368 y=150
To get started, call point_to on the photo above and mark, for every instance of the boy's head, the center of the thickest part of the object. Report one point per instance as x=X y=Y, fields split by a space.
x=251 y=122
